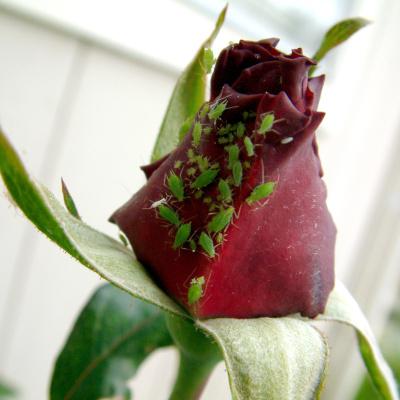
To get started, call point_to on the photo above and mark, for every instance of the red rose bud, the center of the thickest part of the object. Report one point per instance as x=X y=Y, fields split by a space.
x=233 y=223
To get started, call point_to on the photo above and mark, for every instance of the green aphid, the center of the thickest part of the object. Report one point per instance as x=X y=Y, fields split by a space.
x=192 y=245
x=207 y=244
x=246 y=164
x=191 y=171
x=207 y=130
x=195 y=290
x=184 y=129
x=178 y=164
x=196 y=134
x=202 y=162
x=219 y=238
x=205 y=178
x=266 y=124
x=182 y=235
x=237 y=173
x=214 y=165
x=220 y=220
x=245 y=115
x=261 y=192
x=205 y=109
x=240 y=129
x=223 y=140
x=233 y=155
x=224 y=190
x=175 y=185
x=217 y=110
x=208 y=60
x=212 y=207
x=222 y=131
x=191 y=155
x=169 y=215
x=207 y=200
x=249 y=146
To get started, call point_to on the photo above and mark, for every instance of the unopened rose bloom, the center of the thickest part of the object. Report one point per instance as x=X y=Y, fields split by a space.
x=233 y=222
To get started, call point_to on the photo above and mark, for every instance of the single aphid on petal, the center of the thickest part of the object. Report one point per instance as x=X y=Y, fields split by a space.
x=243 y=200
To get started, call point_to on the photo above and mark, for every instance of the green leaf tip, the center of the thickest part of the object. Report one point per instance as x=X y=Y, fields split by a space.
x=207 y=244
x=169 y=215
x=336 y=35
x=186 y=99
x=175 y=185
x=182 y=235
x=195 y=290
x=220 y=220
x=69 y=201
x=261 y=192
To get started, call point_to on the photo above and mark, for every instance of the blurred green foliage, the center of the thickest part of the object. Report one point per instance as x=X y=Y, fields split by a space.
x=390 y=345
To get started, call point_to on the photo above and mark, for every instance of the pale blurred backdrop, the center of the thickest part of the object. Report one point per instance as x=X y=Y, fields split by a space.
x=83 y=88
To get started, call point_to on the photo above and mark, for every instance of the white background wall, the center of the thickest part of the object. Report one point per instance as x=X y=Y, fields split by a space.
x=85 y=103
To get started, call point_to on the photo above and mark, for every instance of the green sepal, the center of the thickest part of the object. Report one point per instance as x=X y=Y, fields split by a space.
x=336 y=35
x=186 y=99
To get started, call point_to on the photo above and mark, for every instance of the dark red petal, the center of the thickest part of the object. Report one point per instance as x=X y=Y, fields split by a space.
x=260 y=78
x=315 y=87
x=150 y=168
x=289 y=119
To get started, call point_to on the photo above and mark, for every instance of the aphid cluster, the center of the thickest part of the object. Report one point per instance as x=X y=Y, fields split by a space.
x=201 y=178
x=216 y=183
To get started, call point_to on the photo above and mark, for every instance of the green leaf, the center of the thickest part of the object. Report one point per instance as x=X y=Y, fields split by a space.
x=208 y=60
x=6 y=392
x=187 y=97
x=343 y=308
x=97 y=251
x=69 y=201
x=270 y=358
x=110 y=339
x=336 y=35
